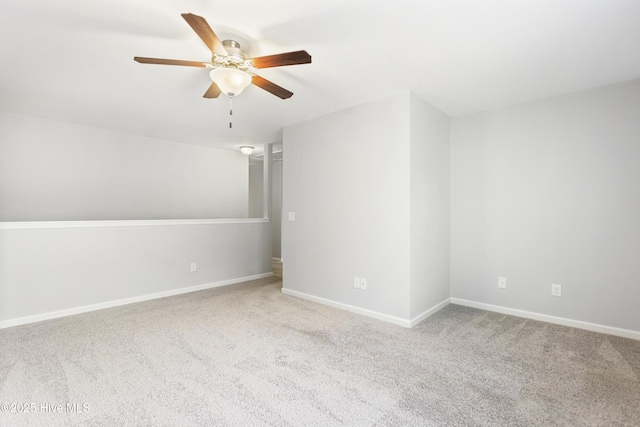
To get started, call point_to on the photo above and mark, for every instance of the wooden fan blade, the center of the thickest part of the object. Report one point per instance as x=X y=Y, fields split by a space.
x=212 y=92
x=271 y=87
x=289 y=58
x=160 y=61
x=204 y=31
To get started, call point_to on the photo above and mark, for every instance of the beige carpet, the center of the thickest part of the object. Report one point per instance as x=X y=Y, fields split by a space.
x=247 y=355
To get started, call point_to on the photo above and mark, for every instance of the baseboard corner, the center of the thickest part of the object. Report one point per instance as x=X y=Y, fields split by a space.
x=429 y=312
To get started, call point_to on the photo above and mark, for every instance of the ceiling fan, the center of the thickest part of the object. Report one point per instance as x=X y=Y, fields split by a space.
x=232 y=69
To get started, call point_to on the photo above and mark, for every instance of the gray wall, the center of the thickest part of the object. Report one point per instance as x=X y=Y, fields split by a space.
x=430 y=206
x=346 y=177
x=56 y=171
x=370 y=189
x=47 y=270
x=549 y=192
x=256 y=201
x=276 y=209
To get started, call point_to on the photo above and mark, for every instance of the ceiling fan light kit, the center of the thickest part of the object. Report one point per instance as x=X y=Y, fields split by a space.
x=231 y=81
x=232 y=69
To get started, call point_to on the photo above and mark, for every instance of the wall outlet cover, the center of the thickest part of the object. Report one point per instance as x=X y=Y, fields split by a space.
x=356 y=282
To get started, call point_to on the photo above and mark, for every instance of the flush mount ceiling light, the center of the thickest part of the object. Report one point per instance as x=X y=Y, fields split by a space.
x=246 y=150
x=232 y=69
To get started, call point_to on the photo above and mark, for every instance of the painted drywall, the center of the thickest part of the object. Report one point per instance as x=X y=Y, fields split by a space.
x=549 y=192
x=57 y=171
x=48 y=270
x=430 y=206
x=256 y=202
x=346 y=177
x=276 y=208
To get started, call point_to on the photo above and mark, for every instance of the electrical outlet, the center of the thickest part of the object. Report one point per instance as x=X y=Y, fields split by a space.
x=356 y=282
x=363 y=283
x=291 y=216
x=556 y=290
x=194 y=267
x=502 y=282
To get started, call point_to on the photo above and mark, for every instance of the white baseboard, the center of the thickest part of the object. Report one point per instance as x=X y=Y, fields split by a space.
x=419 y=318
x=108 y=304
x=594 y=327
x=363 y=311
x=405 y=323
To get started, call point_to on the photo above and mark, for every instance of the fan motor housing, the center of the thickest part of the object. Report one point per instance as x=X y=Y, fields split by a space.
x=236 y=56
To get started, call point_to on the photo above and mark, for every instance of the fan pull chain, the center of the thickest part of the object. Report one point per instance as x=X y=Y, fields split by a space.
x=230 y=111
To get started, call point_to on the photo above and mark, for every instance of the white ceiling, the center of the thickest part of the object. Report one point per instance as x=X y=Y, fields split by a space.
x=72 y=60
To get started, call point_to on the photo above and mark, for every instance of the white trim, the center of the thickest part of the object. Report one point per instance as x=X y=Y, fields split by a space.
x=276 y=259
x=93 y=307
x=594 y=327
x=419 y=318
x=22 y=225
x=363 y=311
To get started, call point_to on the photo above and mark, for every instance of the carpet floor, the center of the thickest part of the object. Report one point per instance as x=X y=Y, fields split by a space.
x=247 y=355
